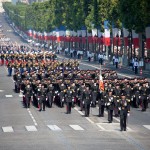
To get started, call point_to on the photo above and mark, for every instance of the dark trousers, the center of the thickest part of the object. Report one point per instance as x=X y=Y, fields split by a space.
x=81 y=104
x=87 y=110
x=110 y=115
x=123 y=120
x=43 y=102
x=136 y=69
x=9 y=71
x=27 y=102
x=69 y=107
x=101 y=110
x=116 y=64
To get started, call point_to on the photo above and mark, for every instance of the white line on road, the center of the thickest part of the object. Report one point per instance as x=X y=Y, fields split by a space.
x=54 y=127
x=1 y=90
x=33 y=119
x=8 y=96
x=7 y=129
x=31 y=128
x=76 y=127
x=147 y=126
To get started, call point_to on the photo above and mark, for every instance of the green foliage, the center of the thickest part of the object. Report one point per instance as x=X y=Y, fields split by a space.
x=74 y=14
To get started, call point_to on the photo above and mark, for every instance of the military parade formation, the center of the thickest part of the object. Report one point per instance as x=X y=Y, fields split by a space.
x=44 y=80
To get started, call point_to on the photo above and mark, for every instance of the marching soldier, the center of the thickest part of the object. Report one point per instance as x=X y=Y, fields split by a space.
x=124 y=112
x=50 y=94
x=110 y=106
x=101 y=103
x=94 y=94
x=69 y=97
x=117 y=92
x=80 y=96
x=28 y=94
x=41 y=97
x=87 y=101
x=143 y=96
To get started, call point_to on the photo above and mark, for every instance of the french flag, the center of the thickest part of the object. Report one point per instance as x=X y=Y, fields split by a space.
x=125 y=34
x=135 y=37
x=106 y=34
x=116 y=40
x=30 y=33
x=147 y=31
x=45 y=36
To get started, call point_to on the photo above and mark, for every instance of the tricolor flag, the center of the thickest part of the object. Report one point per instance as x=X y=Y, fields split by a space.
x=101 y=83
x=116 y=40
x=106 y=34
x=45 y=36
x=125 y=34
x=148 y=37
x=135 y=37
x=30 y=32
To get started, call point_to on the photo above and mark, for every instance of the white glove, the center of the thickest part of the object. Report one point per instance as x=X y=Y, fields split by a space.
x=63 y=100
x=119 y=108
x=128 y=114
x=108 y=104
x=73 y=100
x=46 y=99
x=38 y=99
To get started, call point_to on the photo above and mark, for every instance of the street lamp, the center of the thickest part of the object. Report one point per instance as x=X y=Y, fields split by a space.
x=117 y=40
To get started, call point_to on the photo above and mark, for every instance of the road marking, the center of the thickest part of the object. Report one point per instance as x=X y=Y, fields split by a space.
x=33 y=119
x=8 y=96
x=147 y=126
x=20 y=95
x=76 y=127
x=7 y=129
x=81 y=113
x=54 y=127
x=100 y=127
x=1 y=90
x=87 y=118
x=31 y=128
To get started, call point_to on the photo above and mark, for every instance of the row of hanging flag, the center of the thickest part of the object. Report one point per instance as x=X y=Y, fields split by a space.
x=82 y=36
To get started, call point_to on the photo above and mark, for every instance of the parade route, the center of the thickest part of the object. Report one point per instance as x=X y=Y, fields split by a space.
x=30 y=129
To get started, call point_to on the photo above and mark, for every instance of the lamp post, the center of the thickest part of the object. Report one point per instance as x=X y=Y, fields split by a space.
x=117 y=40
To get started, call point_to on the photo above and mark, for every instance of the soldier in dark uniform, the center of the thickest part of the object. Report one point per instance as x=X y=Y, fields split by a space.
x=117 y=91
x=143 y=97
x=110 y=105
x=69 y=97
x=87 y=101
x=80 y=95
x=101 y=103
x=62 y=94
x=28 y=94
x=94 y=94
x=50 y=94
x=124 y=110
x=41 y=97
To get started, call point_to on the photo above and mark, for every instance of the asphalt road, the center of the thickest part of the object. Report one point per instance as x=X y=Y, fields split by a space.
x=29 y=129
